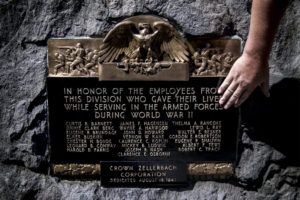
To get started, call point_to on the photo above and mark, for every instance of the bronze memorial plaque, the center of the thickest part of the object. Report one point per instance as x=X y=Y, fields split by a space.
x=139 y=108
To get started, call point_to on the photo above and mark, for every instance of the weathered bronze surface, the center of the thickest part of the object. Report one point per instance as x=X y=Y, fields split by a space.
x=210 y=170
x=143 y=39
x=73 y=57
x=194 y=170
x=77 y=169
x=214 y=58
x=146 y=71
x=142 y=48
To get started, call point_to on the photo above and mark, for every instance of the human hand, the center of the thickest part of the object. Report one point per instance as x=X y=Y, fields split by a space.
x=246 y=74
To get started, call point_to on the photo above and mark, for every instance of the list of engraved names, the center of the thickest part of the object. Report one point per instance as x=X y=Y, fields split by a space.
x=142 y=121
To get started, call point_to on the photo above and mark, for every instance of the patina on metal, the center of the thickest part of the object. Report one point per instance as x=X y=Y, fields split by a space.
x=77 y=170
x=73 y=57
x=146 y=46
x=213 y=58
x=194 y=170
x=210 y=170
x=142 y=48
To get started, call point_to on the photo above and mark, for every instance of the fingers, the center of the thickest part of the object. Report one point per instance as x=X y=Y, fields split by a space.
x=233 y=98
x=225 y=84
x=242 y=98
x=228 y=94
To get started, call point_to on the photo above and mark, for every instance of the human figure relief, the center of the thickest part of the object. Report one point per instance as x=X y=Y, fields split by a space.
x=70 y=57
x=92 y=60
x=78 y=62
x=212 y=62
x=60 y=58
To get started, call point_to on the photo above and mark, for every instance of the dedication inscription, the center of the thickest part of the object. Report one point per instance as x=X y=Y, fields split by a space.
x=141 y=97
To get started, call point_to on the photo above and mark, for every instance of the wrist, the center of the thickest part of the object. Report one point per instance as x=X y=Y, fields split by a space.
x=257 y=55
x=257 y=48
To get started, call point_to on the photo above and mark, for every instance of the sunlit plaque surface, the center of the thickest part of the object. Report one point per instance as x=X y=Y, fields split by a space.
x=139 y=108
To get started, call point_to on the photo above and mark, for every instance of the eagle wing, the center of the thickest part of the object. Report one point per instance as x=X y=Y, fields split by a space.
x=119 y=40
x=170 y=42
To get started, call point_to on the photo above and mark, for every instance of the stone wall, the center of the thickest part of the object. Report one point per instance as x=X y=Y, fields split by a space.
x=269 y=154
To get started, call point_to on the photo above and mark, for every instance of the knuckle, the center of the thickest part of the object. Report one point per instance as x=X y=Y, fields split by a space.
x=225 y=84
x=230 y=101
x=226 y=95
x=223 y=99
x=236 y=95
x=233 y=98
x=244 y=83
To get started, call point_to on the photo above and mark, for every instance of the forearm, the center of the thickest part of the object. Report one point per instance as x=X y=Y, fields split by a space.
x=265 y=17
x=251 y=70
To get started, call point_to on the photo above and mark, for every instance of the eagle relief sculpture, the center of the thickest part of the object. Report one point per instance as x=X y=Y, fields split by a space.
x=141 y=48
x=143 y=45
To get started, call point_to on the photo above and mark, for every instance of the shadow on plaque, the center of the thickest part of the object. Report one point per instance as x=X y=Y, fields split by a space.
x=276 y=120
